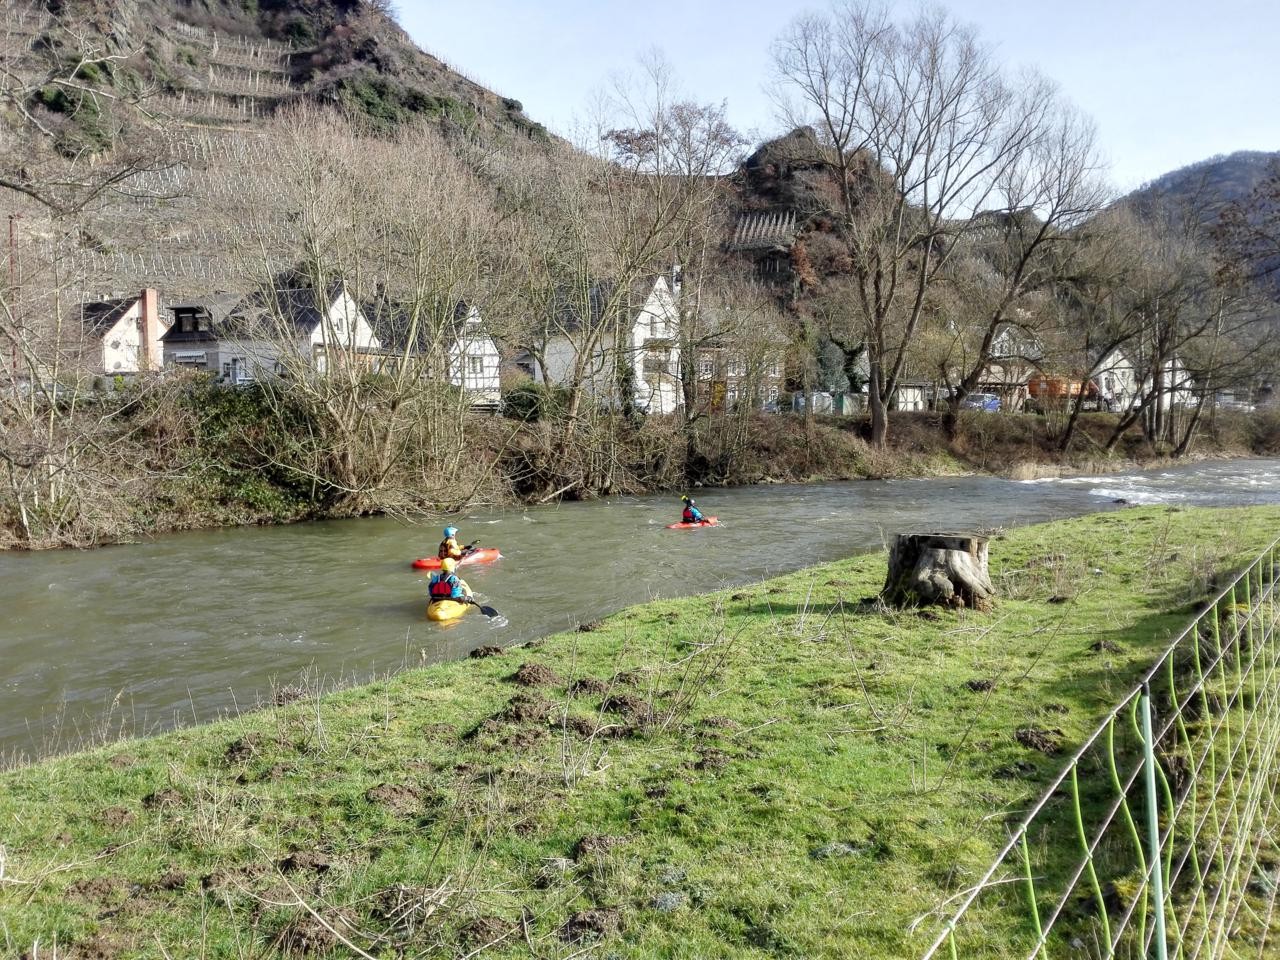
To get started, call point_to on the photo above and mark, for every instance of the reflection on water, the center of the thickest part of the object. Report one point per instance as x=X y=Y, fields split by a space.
x=192 y=624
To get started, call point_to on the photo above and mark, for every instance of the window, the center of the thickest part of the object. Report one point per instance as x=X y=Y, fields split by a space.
x=731 y=395
x=654 y=325
x=706 y=367
x=475 y=366
x=654 y=364
x=226 y=370
x=773 y=394
x=736 y=367
x=775 y=367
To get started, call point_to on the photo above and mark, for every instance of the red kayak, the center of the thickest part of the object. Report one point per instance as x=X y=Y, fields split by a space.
x=479 y=555
x=706 y=522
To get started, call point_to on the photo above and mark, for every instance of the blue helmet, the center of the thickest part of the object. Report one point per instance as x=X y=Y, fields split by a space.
x=450 y=532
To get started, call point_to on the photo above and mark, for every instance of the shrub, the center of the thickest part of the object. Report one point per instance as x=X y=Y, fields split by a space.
x=532 y=401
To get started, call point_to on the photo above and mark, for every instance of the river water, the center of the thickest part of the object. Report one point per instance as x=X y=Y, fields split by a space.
x=189 y=626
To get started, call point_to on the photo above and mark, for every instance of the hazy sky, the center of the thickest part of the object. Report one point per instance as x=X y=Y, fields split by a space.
x=1168 y=82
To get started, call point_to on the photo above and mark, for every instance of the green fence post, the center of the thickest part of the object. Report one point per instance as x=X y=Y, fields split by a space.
x=1153 y=825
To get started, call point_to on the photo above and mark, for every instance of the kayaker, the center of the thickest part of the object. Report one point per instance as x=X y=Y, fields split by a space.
x=449 y=548
x=691 y=513
x=446 y=585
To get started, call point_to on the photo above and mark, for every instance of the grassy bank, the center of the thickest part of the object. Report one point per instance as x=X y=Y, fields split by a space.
x=781 y=770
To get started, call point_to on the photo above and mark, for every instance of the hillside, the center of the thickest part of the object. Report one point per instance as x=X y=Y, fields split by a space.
x=232 y=62
x=1211 y=183
x=186 y=91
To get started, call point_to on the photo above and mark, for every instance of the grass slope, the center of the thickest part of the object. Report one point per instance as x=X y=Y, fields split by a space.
x=778 y=771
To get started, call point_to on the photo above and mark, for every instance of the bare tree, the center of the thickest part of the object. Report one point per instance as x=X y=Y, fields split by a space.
x=918 y=128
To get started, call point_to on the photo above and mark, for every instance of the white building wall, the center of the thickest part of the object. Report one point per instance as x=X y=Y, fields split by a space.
x=658 y=320
x=122 y=344
x=474 y=362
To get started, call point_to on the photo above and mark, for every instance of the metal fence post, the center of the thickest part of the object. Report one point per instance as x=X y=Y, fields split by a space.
x=1153 y=825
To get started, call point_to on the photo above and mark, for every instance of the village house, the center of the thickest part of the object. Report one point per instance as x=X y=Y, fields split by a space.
x=465 y=354
x=122 y=335
x=1016 y=357
x=649 y=344
x=474 y=361
x=241 y=339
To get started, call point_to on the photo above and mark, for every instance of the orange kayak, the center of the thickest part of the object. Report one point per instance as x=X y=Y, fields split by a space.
x=480 y=555
x=706 y=522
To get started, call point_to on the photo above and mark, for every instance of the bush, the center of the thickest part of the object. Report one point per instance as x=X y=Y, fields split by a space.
x=532 y=401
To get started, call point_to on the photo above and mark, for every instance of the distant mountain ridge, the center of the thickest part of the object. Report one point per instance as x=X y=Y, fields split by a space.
x=1211 y=183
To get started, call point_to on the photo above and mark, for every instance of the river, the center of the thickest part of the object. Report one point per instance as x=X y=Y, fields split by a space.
x=186 y=627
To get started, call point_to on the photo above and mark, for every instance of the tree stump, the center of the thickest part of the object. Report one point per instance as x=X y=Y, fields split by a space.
x=938 y=568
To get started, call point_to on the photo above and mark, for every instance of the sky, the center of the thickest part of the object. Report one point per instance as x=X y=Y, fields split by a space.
x=1168 y=83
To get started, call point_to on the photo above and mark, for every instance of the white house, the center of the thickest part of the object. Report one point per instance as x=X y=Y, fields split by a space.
x=1117 y=380
x=649 y=342
x=122 y=334
x=241 y=339
x=473 y=358
x=1122 y=384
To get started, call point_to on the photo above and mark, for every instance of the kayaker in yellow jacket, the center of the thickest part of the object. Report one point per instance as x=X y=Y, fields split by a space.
x=449 y=548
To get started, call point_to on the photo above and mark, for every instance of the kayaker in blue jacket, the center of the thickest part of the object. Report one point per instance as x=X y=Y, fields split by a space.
x=691 y=513
x=446 y=585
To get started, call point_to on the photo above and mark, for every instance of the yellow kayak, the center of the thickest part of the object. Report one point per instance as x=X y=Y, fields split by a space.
x=442 y=610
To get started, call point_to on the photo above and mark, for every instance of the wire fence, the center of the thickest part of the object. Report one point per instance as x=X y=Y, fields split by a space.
x=1161 y=836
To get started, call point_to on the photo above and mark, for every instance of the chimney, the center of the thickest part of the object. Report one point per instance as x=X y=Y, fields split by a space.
x=150 y=331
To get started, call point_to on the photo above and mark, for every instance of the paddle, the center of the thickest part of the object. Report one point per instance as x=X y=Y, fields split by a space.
x=487 y=611
x=470 y=547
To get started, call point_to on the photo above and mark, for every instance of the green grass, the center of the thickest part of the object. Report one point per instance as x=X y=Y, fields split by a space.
x=785 y=772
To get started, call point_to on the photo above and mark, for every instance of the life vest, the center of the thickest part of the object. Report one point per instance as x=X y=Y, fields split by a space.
x=449 y=548
x=446 y=587
x=691 y=515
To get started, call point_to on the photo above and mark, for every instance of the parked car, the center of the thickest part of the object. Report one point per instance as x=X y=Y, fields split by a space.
x=980 y=401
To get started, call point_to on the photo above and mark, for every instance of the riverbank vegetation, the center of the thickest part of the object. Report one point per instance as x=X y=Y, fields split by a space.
x=783 y=769
x=189 y=453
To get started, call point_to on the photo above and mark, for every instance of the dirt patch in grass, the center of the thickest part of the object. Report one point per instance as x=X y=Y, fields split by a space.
x=712 y=760
x=524 y=739
x=300 y=860
x=122 y=761
x=304 y=935
x=98 y=947
x=289 y=693
x=400 y=798
x=1048 y=742
x=594 y=845
x=172 y=880
x=160 y=799
x=93 y=890
x=487 y=929
x=590 y=626
x=980 y=686
x=1104 y=646
x=536 y=675
x=526 y=708
x=627 y=705
x=116 y=817
x=243 y=749
x=479 y=653
x=587 y=686
x=591 y=925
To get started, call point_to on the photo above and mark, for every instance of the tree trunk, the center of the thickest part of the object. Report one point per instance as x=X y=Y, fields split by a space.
x=938 y=568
